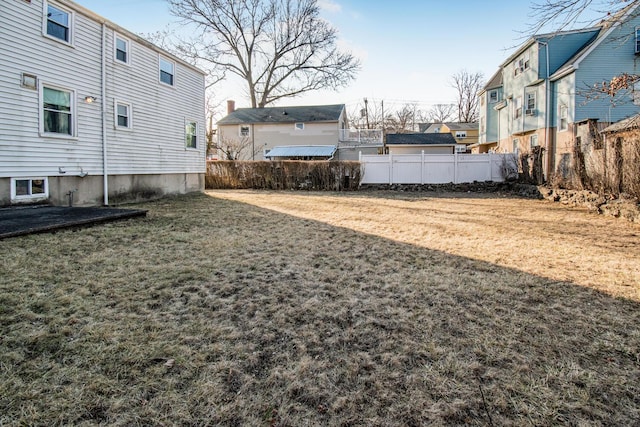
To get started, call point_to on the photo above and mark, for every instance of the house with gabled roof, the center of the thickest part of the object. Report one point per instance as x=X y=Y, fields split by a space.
x=295 y=132
x=93 y=113
x=543 y=90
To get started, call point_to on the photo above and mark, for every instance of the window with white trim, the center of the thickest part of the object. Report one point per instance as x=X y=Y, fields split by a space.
x=461 y=134
x=516 y=144
x=493 y=96
x=533 y=140
x=58 y=23
x=191 y=134
x=167 y=71
x=121 y=49
x=563 y=113
x=517 y=107
x=57 y=109
x=531 y=101
x=299 y=126
x=244 y=130
x=29 y=188
x=123 y=117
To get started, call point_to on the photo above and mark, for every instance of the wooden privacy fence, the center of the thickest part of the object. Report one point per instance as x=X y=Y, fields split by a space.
x=436 y=168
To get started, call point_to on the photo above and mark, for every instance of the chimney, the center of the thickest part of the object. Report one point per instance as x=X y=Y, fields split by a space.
x=231 y=106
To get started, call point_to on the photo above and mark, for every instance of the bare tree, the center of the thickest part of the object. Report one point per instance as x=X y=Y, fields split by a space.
x=235 y=149
x=441 y=113
x=565 y=14
x=468 y=86
x=402 y=120
x=280 y=48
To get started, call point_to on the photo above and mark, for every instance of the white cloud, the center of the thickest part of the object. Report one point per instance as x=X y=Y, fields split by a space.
x=330 y=6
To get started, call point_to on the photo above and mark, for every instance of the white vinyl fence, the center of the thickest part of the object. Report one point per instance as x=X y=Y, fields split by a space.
x=434 y=168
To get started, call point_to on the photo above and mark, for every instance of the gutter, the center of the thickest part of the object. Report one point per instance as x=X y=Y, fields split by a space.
x=103 y=95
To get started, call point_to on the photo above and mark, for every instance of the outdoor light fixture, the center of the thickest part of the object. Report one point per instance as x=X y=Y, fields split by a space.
x=89 y=99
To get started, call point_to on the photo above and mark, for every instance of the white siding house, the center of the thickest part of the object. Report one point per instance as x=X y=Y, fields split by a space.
x=91 y=110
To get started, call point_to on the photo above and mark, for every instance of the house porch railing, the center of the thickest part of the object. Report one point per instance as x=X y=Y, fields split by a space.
x=360 y=136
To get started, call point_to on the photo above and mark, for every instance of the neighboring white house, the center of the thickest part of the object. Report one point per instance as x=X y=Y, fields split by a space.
x=308 y=132
x=91 y=110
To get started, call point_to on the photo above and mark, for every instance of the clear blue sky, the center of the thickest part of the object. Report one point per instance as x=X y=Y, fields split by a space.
x=409 y=48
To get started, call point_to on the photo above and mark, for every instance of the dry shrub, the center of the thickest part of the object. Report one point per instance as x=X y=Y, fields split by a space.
x=284 y=175
x=610 y=166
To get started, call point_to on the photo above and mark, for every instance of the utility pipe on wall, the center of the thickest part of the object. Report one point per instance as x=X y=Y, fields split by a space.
x=103 y=117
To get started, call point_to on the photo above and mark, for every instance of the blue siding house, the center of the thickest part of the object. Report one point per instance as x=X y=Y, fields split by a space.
x=544 y=90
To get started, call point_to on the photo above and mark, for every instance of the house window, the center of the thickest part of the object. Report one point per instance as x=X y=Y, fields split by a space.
x=493 y=96
x=637 y=39
x=58 y=23
x=563 y=114
x=123 y=115
x=57 y=111
x=531 y=101
x=461 y=134
x=533 y=140
x=121 y=47
x=299 y=126
x=517 y=107
x=245 y=130
x=516 y=144
x=526 y=63
x=167 y=71
x=191 y=134
x=29 y=188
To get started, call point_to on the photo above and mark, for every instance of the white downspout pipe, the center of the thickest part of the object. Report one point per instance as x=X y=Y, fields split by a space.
x=547 y=114
x=103 y=95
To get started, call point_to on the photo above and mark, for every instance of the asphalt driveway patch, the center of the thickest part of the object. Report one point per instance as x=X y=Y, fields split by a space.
x=18 y=221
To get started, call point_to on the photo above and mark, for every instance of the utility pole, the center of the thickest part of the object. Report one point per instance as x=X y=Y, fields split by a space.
x=366 y=111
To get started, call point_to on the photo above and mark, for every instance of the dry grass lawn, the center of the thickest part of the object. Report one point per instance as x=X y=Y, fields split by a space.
x=290 y=309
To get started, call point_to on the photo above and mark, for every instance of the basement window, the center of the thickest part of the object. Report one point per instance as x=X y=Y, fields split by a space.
x=29 y=189
x=299 y=126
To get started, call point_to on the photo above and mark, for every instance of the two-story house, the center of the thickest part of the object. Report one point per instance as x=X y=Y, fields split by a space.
x=544 y=89
x=92 y=111
x=464 y=133
x=317 y=132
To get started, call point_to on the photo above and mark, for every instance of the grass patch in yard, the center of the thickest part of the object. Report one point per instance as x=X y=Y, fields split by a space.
x=288 y=309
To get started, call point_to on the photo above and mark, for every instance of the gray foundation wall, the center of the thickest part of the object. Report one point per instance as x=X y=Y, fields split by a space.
x=88 y=191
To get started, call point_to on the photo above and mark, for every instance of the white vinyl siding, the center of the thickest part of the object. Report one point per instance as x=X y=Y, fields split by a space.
x=153 y=145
